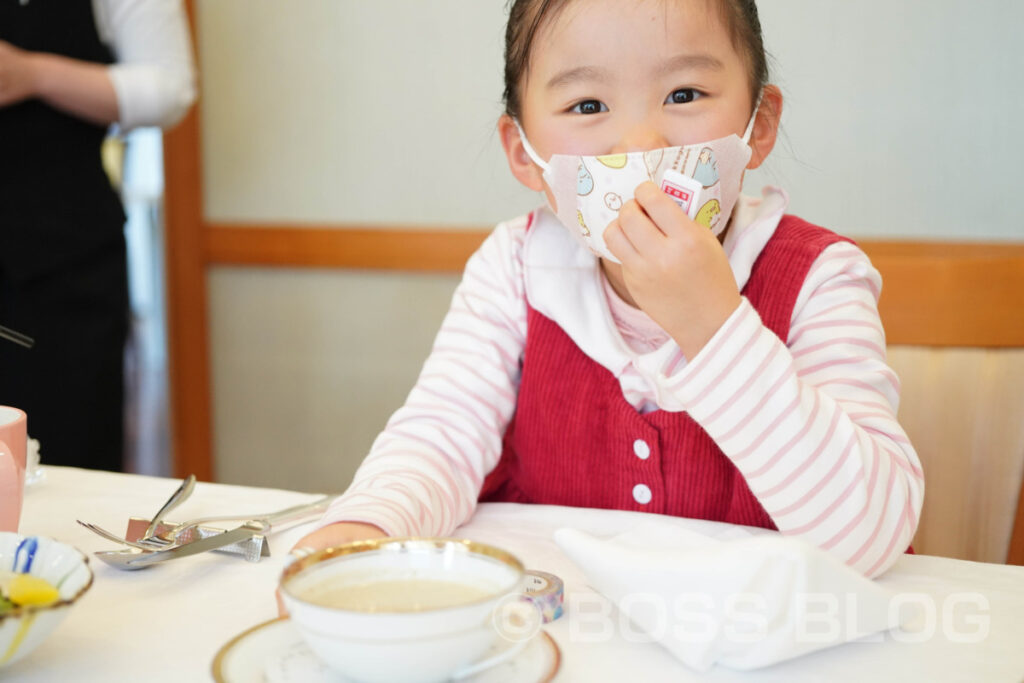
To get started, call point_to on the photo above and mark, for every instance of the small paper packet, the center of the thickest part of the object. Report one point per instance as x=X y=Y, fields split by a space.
x=684 y=190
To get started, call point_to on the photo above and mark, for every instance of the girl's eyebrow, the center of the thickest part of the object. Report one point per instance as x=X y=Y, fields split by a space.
x=686 y=62
x=580 y=73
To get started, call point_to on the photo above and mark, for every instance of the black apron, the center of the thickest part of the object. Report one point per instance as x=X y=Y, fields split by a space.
x=63 y=275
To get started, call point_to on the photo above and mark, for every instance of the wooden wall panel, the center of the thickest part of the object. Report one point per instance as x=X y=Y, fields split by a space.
x=951 y=294
x=185 y=266
x=410 y=248
x=934 y=293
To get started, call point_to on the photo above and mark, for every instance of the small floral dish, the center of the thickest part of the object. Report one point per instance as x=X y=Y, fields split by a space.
x=40 y=579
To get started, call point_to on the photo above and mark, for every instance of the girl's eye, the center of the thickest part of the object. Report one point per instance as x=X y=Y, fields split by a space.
x=682 y=96
x=589 y=107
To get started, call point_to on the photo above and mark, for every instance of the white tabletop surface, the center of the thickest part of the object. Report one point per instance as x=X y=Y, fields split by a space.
x=167 y=622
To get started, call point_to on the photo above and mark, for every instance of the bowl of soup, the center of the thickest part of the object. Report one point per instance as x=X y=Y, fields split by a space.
x=401 y=609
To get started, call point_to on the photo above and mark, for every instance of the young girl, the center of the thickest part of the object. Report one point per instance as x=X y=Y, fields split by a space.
x=710 y=357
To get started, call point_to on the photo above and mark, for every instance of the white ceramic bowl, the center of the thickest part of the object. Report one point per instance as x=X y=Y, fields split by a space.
x=395 y=644
x=22 y=629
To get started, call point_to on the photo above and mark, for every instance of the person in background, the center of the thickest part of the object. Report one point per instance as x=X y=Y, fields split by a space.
x=68 y=70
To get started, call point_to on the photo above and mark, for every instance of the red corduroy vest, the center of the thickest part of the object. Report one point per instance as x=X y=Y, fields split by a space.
x=574 y=440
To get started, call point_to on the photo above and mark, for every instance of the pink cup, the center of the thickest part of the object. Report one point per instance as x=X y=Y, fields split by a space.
x=13 y=445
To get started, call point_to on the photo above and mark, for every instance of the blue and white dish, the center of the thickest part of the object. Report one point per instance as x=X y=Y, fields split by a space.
x=63 y=566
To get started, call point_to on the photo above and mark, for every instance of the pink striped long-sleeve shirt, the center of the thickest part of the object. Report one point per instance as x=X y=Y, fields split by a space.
x=811 y=424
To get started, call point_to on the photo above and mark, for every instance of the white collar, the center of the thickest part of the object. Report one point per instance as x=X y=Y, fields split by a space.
x=563 y=279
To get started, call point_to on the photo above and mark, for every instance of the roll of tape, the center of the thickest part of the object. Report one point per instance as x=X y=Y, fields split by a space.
x=546 y=591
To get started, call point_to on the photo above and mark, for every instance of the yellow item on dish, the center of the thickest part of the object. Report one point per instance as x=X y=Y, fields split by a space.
x=25 y=589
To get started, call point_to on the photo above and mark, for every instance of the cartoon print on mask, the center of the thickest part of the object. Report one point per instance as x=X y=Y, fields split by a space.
x=706 y=172
x=708 y=214
x=613 y=160
x=584 y=181
x=583 y=226
x=652 y=160
x=613 y=201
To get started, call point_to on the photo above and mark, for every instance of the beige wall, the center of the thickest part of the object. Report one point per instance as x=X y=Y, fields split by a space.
x=354 y=110
x=899 y=122
x=901 y=118
x=308 y=365
x=314 y=112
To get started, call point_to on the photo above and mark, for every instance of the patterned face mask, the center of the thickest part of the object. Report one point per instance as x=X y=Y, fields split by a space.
x=588 y=191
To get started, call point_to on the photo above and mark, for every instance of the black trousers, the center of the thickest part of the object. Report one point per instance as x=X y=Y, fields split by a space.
x=71 y=383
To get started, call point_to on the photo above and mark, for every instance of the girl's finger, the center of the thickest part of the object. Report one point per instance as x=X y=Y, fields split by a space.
x=643 y=233
x=661 y=208
x=619 y=244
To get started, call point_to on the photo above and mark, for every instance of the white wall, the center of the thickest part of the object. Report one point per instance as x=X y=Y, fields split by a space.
x=355 y=110
x=903 y=117
x=308 y=365
x=902 y=121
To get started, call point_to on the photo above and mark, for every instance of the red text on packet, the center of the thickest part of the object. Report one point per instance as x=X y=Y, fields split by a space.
x=680 y=193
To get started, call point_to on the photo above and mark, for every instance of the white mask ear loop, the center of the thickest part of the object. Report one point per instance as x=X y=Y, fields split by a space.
x=530 y=151
x=750 y=126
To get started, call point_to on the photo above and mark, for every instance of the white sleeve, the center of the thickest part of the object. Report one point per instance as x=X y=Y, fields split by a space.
x=812 y=424
x=154 y=74
x=424 y=472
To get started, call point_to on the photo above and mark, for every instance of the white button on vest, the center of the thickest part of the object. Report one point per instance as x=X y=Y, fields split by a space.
x=642 y=494
x=642 y=450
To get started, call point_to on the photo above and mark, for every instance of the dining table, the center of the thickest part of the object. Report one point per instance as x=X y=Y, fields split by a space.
x=169 y=621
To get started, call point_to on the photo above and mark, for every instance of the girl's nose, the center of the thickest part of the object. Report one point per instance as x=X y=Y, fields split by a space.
x=640 y=138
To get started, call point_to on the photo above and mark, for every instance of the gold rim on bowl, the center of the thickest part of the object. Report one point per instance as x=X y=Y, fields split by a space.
x=355 y=547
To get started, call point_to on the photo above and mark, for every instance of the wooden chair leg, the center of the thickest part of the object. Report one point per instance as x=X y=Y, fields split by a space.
x=1016 y=553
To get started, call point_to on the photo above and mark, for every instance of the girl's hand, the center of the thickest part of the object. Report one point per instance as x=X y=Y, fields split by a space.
x=17 y=75
x=674 y=268
x=338 y=533
x=331 y=535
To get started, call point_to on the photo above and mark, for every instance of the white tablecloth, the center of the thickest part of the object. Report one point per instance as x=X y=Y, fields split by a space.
x=167 y=622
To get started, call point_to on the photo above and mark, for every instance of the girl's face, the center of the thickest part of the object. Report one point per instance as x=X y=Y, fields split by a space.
x=614 y=76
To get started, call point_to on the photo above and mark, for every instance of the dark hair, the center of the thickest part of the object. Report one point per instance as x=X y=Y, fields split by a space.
x=525 y=18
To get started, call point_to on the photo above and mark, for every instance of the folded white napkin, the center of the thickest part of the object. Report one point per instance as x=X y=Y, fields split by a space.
x=744 y=603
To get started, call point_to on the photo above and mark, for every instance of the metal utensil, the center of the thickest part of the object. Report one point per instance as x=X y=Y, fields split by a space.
x=252 y=549
x=110 y=536
x=140 y=559
x=16 y=337
x=271 y=520
x=176 y=499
